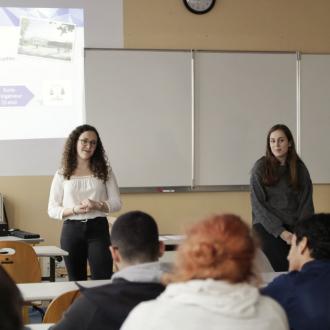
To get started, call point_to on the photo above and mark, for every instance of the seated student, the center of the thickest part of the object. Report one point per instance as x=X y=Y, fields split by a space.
x=304 y=293
x=135 y=250
x=210 y=285
x=11 y=303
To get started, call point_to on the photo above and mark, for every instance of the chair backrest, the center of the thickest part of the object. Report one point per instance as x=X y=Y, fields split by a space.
x=20 y=261
x=59 y=305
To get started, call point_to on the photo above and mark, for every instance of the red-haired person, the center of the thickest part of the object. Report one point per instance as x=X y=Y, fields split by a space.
x=281 y=194
x=210 y=285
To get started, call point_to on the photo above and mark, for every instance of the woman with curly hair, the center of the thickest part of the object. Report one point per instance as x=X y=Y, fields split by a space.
x=281 y=194
x=82 y=193
x=210 y=284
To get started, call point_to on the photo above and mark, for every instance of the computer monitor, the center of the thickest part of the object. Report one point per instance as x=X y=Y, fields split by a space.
x=1 y=209
x=3 y=218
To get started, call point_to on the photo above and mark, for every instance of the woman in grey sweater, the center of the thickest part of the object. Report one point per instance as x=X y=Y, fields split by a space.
x=281 y=194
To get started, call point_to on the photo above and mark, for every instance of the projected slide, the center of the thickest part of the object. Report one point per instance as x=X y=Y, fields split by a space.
x=41 y=72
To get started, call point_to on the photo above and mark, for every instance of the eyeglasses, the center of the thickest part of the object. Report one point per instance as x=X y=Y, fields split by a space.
x=85 y=142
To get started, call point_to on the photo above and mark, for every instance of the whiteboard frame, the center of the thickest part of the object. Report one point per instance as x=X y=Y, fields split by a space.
x=234 y=187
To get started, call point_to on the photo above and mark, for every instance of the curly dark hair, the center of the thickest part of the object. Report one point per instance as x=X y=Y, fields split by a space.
x=99 y=163
x=316 y=229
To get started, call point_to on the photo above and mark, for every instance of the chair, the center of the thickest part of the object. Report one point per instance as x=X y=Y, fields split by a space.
x=59 y=305
x=20 y=261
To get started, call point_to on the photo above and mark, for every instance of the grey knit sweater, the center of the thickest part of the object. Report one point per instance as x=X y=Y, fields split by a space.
x=278 y=207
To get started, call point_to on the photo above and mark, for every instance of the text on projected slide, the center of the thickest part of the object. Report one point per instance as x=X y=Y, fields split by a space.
x=42 y=72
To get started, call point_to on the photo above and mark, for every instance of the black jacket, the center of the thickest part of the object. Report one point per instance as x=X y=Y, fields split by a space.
x=106 y=307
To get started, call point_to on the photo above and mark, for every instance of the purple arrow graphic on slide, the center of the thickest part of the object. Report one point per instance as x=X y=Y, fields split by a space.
x=15 y=96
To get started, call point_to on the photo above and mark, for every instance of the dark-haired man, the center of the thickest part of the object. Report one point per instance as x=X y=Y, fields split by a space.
x=135 y=250
x=304 y=292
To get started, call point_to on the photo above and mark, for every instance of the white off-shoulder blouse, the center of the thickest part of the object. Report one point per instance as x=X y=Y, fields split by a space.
x=68 y=193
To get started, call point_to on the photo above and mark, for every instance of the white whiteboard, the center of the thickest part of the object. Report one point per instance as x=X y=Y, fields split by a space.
x=239 y=96
x=315 y=116
x=140 y=101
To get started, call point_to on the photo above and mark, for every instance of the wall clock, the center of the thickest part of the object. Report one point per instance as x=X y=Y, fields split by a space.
x=199 y=6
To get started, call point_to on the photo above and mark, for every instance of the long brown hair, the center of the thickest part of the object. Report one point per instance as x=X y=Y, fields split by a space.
x=219 y=247
x=99 y=163
x=270 y=174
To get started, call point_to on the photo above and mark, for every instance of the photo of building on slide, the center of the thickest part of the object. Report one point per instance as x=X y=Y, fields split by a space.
x=46 y=38
x=42 y=72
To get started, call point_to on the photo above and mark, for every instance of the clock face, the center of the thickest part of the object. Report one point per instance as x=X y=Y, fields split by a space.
x=199 y=6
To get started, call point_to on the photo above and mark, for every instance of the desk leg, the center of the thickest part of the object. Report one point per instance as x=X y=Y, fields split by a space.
x=25 y=313
x=171 y=247
x=52 y=269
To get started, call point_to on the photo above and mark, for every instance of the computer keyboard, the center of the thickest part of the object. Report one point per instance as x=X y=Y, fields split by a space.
x=23 y=234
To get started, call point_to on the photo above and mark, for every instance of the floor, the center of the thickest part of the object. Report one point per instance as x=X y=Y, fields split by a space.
x=35 y=316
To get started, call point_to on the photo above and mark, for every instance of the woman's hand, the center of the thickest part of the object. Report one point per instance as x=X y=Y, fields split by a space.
x=79 y=209
x=90 y=205
x=286 y=236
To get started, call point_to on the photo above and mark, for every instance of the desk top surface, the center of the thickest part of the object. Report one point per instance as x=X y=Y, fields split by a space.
x=49 y=251
x=266 y=278
x=50 y=290
x=39 y=326
x=171 y=239
x=27 y=240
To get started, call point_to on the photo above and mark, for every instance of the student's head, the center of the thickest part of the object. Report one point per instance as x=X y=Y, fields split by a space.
x=11 y=303
x=280 y=143
x=311 y=240
x=84 y=143
x=219 y=247
x=134 y=239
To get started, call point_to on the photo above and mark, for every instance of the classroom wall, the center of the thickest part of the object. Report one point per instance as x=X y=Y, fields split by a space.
x=232 y=25
x=249 y=25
